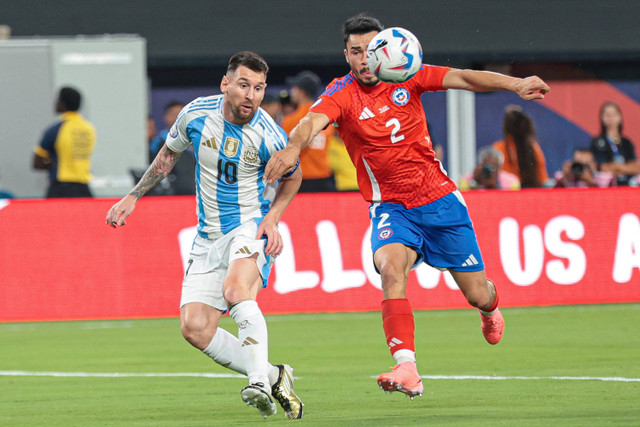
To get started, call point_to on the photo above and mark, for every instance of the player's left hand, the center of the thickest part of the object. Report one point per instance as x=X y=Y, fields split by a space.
x=274 y=240
x=532 y=87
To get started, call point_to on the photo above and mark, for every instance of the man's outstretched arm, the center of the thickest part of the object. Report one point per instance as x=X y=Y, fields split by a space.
x=288 y=188
x=527 y=88
x=284 y=160
x=157 y=171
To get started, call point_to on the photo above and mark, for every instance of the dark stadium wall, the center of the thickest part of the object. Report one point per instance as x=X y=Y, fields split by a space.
x=205 y=32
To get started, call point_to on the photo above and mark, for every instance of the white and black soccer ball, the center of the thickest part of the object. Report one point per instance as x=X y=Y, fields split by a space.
x=394 y=55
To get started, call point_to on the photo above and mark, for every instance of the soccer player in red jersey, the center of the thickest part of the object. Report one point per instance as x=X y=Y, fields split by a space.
x=417 y=213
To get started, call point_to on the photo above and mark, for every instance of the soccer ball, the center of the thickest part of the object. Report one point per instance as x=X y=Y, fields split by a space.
x=394 y=55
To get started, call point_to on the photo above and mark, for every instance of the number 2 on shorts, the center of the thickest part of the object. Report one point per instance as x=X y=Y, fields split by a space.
x=383 y=218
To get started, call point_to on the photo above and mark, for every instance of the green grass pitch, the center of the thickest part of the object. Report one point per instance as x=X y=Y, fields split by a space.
x=336 y=358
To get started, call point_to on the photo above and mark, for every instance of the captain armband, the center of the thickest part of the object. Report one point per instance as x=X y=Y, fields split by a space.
x=287 y=175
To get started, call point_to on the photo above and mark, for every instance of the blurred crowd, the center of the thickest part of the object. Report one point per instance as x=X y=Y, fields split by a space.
x=517 y=161
x=514 y=162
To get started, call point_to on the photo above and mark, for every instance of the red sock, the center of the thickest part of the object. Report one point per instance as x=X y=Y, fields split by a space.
x=495 y=301
x=398 y=324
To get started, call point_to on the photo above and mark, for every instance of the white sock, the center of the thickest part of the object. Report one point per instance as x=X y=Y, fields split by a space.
x=404 y=355
x=224 y=349
x=253 y=340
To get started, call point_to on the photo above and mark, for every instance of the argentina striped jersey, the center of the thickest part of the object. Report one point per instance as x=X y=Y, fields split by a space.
x=230 y=162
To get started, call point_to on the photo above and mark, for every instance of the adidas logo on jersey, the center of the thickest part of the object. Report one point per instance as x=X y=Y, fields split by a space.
x=470 y=261
x=211 y=143
x=366 y=114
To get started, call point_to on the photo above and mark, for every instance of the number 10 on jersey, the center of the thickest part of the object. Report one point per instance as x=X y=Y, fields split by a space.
x=227 y=170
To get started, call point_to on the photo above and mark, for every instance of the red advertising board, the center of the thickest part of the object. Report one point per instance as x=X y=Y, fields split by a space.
x=542 y=247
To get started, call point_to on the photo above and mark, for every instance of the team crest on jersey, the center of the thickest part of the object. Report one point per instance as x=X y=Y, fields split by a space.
x=231 y=146
x=173 y=132
x=385 y=233
x=251 y=155
x=400 y=96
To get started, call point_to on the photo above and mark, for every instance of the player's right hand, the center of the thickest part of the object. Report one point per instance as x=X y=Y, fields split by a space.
x=532 y=87
x=120 y=211
x=281 y=162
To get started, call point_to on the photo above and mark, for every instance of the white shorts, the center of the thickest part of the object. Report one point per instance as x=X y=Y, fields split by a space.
x=210 y=258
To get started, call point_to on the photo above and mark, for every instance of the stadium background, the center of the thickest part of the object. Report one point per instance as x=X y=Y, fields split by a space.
x=567 y=43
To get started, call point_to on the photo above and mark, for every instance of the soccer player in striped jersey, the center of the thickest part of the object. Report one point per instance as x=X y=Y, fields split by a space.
x=238 y=214
x=416 y=212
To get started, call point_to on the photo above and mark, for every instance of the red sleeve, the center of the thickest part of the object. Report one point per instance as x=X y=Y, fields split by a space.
x=429 y=78
x=331 y=101
x=327 y=105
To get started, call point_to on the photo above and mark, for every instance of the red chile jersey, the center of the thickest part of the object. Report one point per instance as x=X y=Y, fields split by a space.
x=385 y=131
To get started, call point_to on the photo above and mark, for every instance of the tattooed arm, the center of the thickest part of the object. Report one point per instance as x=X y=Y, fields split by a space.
x=157 y=171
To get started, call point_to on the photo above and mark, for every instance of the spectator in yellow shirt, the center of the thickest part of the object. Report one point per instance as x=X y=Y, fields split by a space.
x=66 y=147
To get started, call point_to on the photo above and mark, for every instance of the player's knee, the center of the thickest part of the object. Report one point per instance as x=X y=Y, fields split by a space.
x=394 y=281
x=196 y=330
x=234 y=293
x=392 y=273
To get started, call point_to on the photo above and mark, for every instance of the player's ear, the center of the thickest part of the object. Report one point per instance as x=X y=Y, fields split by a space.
x=346 y=57
x=224 y=83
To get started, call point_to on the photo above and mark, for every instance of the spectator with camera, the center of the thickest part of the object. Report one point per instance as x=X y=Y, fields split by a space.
x=488 y=174
x=582 y=171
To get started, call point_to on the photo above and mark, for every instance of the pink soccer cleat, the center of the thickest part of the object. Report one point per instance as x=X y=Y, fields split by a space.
x=403 y=377
x=492 y=327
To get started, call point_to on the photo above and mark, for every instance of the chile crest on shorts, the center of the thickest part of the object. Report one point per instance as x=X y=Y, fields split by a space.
x=385 y=233
x=400 y=96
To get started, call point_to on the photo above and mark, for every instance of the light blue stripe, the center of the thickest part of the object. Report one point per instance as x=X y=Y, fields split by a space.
x=206 y=102
x=265 y=155
x=194 y=133
x=256 y=117
x=264 y=204
x=207 y=99
x=266 y=270
x=199 y=104
x=200 y=108
x=278 y=131
x=227 y=194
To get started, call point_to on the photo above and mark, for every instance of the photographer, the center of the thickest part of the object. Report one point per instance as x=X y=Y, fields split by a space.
x=489 y=174
x=581 y=171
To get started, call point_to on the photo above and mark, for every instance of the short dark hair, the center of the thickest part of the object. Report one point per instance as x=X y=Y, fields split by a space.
x=172 y=104
x=70 y=98
x=251 y=60
x=360 y=24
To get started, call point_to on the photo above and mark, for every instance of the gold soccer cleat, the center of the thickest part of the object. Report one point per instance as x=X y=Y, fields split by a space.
x=283 y=392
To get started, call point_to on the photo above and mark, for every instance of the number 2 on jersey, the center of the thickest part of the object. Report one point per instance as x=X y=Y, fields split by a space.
x=394 y=132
